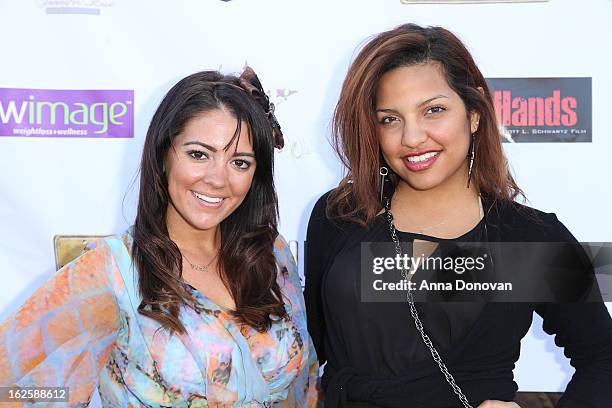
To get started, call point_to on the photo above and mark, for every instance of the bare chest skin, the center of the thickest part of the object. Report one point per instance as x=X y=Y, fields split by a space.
x=209 y=283
x=452 y=226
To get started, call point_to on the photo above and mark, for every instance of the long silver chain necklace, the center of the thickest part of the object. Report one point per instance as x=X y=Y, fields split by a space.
x=415 y=314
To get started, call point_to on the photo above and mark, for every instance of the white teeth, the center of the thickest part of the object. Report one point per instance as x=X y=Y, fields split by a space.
x=212 y=200
x=423 y=157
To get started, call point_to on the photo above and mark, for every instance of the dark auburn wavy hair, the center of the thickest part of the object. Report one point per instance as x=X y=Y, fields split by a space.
x=354 y=133
x=246 y=260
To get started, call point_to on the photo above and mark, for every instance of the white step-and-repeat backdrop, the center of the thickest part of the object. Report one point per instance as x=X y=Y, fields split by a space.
x=73 y=179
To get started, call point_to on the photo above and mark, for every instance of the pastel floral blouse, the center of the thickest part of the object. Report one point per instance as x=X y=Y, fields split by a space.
x=82 y=329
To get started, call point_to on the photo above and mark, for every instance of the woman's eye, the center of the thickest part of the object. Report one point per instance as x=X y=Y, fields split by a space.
x=197 y=154
x=387 y=120
x=242 y=164
x=435 y=109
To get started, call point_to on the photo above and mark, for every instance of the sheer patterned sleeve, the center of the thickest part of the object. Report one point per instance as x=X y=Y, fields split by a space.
x=62 y=335
x=304 y=390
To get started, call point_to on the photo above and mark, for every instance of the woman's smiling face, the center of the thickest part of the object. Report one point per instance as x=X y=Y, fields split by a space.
x=423 y=127
x=208 y=178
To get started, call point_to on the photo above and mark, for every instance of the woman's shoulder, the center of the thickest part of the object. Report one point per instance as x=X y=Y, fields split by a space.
x=107 y=246
x=324 y=223
x=319 y=210
x=522 y=221
x=282 y=251
x=288 y=277
x=287 y=266
x=110 y=257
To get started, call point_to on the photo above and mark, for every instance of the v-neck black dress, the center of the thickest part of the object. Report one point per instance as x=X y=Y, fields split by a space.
x=375 y=355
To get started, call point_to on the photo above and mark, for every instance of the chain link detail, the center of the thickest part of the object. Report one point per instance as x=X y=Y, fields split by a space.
x=415 y=315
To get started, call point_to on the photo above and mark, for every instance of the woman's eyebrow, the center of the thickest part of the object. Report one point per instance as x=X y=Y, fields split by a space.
x=425 y=102
x=204 y=145
x=244 y=154
x=386 y=110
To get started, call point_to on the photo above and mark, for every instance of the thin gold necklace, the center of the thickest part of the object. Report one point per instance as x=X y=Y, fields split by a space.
x=201 y=268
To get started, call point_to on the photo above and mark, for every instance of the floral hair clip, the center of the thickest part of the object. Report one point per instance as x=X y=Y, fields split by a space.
x=250 y=83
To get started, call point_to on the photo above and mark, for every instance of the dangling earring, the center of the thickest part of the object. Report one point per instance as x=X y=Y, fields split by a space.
x=470 y=157
x=383 y=174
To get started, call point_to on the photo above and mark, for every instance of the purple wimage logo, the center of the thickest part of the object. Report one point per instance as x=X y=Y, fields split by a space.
x=66 y=113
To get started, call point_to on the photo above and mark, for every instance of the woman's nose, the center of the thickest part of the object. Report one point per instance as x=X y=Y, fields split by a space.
x=413 y=135
x=216 y=175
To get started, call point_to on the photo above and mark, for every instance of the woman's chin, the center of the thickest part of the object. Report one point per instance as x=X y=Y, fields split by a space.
x=422 y=183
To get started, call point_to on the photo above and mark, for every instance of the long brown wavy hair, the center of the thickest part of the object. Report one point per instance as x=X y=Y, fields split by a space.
x=246 y=259
x=353 y=128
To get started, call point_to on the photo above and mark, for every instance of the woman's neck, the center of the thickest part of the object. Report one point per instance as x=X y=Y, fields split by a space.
x=441 y=212
x=190 y=239
x=436 y=200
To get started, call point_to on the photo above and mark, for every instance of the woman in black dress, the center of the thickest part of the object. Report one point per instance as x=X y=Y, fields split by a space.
x=415 y=128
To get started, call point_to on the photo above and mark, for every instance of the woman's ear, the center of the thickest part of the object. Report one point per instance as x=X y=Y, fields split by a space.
x=475 y=116
x=474 y=121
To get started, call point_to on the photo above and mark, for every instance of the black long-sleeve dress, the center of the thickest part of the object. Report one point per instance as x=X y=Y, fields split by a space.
x=375 y=355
